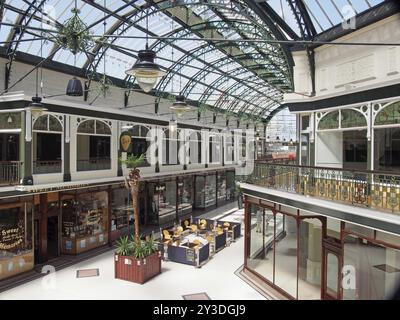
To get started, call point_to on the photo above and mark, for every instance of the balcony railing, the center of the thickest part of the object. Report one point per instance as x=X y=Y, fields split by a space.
x=10 y=172
x=372 y=189
x=94 y=164
x=43 y=167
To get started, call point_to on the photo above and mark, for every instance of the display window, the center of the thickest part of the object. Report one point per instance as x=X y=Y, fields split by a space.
x=122 y=217
x=162 y=202
x=84 y=222
x=16 y=239
x=205 y=191
x=221 y=187
x=185 y=196
x=230 y=185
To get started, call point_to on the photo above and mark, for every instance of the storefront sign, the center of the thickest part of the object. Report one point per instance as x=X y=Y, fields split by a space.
x=94 y=216
x=125 y=141
x=11 y=238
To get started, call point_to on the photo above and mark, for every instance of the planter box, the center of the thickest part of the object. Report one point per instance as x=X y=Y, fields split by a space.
x=137 y=270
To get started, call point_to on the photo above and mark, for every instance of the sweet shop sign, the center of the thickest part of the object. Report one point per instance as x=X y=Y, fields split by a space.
x=10 y=238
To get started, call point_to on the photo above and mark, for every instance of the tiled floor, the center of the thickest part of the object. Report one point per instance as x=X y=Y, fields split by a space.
x=217 y=278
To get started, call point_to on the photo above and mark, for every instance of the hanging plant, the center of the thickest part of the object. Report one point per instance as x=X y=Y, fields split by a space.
x=74 y=34
x=103 y=87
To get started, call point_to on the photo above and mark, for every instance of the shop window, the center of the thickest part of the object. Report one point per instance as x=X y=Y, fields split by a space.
x=47 y=144
x=195 y=148
x=310 y=265
x=170 y=148
x=205 y=191
x=305 y=157
x=230 y=185
x=221 y=187
x=9 y=121
x=121 y=213
x=329 y=121
x=16 y=251
x=351 y=118
x=376 y=268
x=355 y=150
x=162 y=202
x=93 y=146
x=84 y=222
x=185 y=196
x=389 y=115
x=387 y=149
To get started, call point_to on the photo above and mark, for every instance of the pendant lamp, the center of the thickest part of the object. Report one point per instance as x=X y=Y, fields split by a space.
x=146 y=71
x=74 y=88
x=180 y=106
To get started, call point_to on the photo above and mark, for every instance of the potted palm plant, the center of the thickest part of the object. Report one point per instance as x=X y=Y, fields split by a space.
x=136 y=260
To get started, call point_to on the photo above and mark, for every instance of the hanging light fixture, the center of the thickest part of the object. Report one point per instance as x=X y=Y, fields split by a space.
x=145 y=70
x=74 y=88
x=180 y=106
x=173 y=124
x=36 y=107
x=9 y=119
x=291 y=142
x=257 y=136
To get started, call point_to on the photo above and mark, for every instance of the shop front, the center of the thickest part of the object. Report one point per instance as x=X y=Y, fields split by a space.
x=122 y=217
x=185 y=197
x=205 y=190
x=306 y=256
x=85 y=221
x=161 y=202
x=16 y=237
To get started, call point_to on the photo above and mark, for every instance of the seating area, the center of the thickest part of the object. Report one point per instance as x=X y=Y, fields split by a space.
x=195 y=241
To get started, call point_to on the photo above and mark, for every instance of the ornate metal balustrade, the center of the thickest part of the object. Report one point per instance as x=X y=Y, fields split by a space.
x=43 y=167
x=372 y=189
x=10 y=172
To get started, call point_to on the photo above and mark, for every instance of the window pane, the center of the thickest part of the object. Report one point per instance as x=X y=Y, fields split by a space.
x=86 y=126
x=286 y=257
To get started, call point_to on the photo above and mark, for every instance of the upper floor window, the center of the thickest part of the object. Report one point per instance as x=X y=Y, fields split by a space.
x=47 y=144
x=170 y=147
x=195 y=147
x=140 y=142
x=9 y=121
x=93 y=145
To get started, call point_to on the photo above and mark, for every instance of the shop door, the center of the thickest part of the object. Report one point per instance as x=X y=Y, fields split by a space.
x=52 y=237
x=332 y=269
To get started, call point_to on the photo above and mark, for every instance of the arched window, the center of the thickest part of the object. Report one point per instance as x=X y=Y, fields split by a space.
x=214 y=147
x=170 y=148
x=329 y=121
x=352 y=118
x=140 y=142
x=47 y=144
x=93 y=145
x=389 y=115
x=195 y=147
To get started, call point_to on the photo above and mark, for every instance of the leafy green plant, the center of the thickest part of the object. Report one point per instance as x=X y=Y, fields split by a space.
x=124 y=246
x=74 y=34
x=133 y=161
x=150 y=246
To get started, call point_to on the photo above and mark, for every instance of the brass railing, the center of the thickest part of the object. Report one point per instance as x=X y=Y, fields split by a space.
x=10 y=172
x=373 y=189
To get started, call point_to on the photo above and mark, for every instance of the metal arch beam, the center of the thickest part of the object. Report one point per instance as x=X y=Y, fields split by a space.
x=163 y=9
x=273 y=113
x=219 y=25
x=16 y=36
x=233 y=88
x=221 y=63
x=303 y=19
x=217 y=82
x=214 y=86
x=308 y=32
